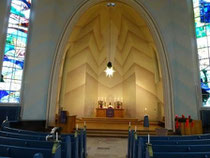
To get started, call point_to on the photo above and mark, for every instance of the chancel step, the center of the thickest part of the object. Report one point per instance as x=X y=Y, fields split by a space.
x=118 y=133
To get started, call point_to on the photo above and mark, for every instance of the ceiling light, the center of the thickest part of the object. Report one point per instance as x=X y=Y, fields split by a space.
x=109 y=70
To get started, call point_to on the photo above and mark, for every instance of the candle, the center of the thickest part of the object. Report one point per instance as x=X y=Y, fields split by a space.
x=84 y=123
x=135 y=128
x=129 y=124
x=148 y=138
x=77 y=127
x=56 y=136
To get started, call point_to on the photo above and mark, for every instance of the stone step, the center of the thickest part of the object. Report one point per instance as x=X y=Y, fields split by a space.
x=119 y=133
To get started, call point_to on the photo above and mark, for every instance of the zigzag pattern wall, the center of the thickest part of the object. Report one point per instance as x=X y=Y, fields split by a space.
x=137 y=78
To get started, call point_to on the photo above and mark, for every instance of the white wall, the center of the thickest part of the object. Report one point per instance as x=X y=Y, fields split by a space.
x=175 y=21
x=4 y=9
x=132 y=52
x=173 y=18
x=129 y=96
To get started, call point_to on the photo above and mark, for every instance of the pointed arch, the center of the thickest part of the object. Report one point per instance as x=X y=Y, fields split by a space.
x=162 y=55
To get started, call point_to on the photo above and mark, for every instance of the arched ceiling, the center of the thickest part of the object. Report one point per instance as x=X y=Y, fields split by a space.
x=118 y=34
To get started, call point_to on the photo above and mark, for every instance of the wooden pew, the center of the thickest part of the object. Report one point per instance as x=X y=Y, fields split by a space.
x=172 y=151
x=179 y=142
x=21 y=152
x=37 y=155
x=22 y=136
x=65 y=147
x=20 y=131
x=78 y=144
x=198 y=144
x=181 y=148
x=181 y=155
x=203 y=136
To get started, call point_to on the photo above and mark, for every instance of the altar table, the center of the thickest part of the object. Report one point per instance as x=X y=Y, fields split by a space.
x=102 y=112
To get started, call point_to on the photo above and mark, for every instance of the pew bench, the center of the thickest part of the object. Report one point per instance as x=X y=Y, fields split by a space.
x=203 y=136
x=167 y=146
x=20 y=131
x=66 y=147
x=179 y=142
x=181 y=155
x=77 y=145
x=181 y=148
x=21 y=152
x=75 y=148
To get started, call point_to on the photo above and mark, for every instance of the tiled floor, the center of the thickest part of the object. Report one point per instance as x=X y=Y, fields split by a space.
x=106 y=147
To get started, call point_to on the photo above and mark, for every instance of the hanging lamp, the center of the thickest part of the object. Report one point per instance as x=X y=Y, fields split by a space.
x=109 y=69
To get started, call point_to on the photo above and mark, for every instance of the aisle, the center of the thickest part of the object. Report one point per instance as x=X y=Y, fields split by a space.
x=98 y=147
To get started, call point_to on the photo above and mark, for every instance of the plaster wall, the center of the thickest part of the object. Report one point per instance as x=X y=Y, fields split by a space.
x=131 y=49
x=4 y=7
x=129 y=96
x=173 y=19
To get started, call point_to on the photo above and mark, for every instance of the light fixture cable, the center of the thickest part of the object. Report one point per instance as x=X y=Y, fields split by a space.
x=109 y=69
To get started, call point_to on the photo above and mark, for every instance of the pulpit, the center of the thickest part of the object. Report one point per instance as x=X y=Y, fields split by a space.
x=68 y=124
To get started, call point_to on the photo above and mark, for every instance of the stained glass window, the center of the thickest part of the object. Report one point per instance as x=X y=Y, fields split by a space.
x=202 y=29
x=14 y=51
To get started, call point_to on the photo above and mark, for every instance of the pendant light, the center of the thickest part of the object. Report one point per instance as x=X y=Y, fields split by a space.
x=109 y=69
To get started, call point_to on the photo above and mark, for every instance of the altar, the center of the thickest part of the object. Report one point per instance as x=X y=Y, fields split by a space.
x=109 y=112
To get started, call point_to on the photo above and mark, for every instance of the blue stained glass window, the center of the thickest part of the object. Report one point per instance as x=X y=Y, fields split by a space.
x=14 y=52
x=202 y=28
x=204 y=11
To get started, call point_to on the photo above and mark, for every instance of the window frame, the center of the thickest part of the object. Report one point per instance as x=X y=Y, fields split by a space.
x=5 y=33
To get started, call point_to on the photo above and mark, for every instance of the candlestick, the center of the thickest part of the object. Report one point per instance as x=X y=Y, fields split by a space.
x=135 y=128
x=77 y=127
x=56 y=136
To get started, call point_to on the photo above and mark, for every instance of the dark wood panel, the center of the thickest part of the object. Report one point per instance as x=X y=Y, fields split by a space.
x=100 y=112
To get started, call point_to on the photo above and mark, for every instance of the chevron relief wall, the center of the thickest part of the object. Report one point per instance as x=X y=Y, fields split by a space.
x=137 y=78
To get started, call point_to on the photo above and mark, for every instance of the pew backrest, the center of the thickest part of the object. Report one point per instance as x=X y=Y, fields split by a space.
x=65 y=146
x=37 y=155
x=179 y=142
x=181 y=155
x=181 y=148
x=76 y=146
x=31 y=133
x=204 y=136
x=15 y=130
x=21 y=152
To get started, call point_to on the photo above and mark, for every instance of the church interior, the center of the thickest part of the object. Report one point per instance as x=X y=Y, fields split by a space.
x=93 y=78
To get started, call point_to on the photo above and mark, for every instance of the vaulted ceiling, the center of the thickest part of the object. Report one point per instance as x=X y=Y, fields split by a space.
x=118 y=34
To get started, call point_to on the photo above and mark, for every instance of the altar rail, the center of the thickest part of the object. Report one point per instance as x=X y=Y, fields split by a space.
x=19 y=143
x=168 y=146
